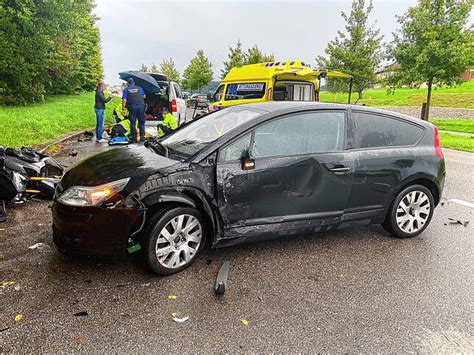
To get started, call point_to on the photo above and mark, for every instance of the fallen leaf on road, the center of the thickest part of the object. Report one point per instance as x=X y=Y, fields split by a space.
x=244 y=322
x=79 y=339
x=181 y=320
x=7 y=283
x=18 y=317
x=173 y=314
x=81 y=314
x=172 y=297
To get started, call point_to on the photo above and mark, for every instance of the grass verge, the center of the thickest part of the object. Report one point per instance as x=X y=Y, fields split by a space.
x=459 y=96
x=39 y=123
x=457 y=142
x=455 y=125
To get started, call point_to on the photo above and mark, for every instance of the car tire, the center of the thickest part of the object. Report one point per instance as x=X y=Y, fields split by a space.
x=174 y=239
x=410 y=213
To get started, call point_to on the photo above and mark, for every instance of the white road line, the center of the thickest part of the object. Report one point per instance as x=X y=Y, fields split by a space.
x=462 y=202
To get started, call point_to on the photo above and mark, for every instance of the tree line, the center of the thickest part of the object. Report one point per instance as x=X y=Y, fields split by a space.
x=47 y=47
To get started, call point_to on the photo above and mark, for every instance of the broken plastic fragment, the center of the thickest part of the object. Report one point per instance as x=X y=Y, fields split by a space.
x=146 y=284
x=180 y=320
x=244 y=322
x=81 y=314
x=457 y=221
x=173 y=314
x=37 y=246
x=17 y=287
x=172 y=297
x=18 y=317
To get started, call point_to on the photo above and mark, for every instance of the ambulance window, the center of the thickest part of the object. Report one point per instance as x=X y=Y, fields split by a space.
x=218 y=93
x=244 y=91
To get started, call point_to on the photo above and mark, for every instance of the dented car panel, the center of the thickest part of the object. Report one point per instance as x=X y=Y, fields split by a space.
x=279 y=195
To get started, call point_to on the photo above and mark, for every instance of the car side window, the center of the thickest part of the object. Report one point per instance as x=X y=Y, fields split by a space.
x=177 y=89
x=376 y=131
x=235 y=149
x=302 y=133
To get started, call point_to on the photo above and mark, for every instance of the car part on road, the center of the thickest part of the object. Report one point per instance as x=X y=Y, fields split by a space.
x=180 y=320
x=457 y=221
x=81 y=314
x=221 y=280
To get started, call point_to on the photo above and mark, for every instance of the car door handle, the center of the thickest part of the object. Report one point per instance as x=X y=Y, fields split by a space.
x=340 y=169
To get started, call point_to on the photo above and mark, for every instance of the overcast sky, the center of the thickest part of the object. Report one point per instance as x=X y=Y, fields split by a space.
x=134 y=32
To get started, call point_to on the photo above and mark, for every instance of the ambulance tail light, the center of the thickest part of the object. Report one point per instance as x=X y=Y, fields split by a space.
x=174 y=106
x=269 y=94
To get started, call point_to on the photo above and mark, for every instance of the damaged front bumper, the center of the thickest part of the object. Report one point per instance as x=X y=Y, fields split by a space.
x=94 y=230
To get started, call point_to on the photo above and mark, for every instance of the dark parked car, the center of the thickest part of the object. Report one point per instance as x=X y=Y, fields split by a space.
x=252 y=172
x=199 y=99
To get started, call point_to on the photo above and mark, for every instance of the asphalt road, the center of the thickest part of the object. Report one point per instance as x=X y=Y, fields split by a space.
x=355 y=290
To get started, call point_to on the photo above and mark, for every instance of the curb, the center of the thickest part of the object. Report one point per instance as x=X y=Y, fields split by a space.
x=66 y=138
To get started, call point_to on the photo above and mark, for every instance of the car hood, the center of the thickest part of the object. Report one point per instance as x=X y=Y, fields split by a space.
x=134 y=162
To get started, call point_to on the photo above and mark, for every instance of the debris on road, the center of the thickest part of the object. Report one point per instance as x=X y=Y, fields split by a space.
x=221 y=280
x=38 y=246
x=181 y=320
x=88 y=135
x=3 y=329
x=81 y=314
x=79 y=339
x=7 y=283
x=244 y=321
x=457 y=221
x=73 y=153
x=17 y=287
x=18 y=317
x=172 y=297
x=146 y=284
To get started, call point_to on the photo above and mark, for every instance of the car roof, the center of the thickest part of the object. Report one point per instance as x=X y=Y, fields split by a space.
x=294 y=106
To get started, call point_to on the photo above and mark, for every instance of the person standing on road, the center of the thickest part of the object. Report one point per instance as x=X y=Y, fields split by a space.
x=133 y=99
x=100 y=101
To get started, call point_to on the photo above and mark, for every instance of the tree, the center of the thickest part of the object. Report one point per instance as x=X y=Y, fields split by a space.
x=168 y=68
x=433 y=45
x=255 y=55
x=357 y=51
x=153 y=68
x=199 y=72
x=237 y=58
x=47 y=47
x=143 y=68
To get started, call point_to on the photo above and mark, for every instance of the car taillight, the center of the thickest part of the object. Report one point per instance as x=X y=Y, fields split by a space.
x=269 y=95
x=174 y=106
x=437 y=145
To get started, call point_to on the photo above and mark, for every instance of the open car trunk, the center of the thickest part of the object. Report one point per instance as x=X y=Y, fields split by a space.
x=155 y=102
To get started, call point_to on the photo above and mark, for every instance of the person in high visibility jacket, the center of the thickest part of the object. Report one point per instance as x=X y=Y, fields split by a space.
x=168 y=125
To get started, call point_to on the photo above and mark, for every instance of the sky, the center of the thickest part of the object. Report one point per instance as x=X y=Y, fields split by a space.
x=135 y=32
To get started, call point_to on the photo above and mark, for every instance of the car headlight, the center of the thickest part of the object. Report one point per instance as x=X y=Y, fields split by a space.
x=91 y=195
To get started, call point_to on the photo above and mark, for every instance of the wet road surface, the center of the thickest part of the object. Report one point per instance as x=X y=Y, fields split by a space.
x=355 y=290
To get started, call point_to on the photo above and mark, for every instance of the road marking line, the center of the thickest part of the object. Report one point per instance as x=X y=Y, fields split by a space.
x=462 y=202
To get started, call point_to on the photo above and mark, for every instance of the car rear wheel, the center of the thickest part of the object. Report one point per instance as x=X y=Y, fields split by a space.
x=175 y=238
x=410 y=213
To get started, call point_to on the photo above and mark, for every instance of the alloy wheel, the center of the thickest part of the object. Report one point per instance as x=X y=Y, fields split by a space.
x=413 y=211
x=179 y=241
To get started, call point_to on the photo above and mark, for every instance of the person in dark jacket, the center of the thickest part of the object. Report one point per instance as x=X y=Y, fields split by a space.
x=133 y=99
x=100 y=101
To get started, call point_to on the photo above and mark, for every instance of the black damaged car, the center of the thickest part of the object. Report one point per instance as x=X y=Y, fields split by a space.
x=248 y=173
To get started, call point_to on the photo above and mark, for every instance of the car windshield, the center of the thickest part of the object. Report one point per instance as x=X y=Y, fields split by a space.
x=192 y=138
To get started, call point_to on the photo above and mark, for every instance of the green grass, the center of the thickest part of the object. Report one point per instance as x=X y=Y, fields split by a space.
x=39 y=123
x=455 y=125
x=457 y=142
x=460 y=96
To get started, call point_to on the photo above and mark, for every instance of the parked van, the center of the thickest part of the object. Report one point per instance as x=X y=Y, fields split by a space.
x=160 y=92
x=287 y=80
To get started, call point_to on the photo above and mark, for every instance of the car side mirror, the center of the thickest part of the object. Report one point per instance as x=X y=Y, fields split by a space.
x=248 y=162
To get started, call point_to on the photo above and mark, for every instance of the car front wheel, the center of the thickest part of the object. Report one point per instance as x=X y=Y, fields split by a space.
x=410 y=212
x=175 y=238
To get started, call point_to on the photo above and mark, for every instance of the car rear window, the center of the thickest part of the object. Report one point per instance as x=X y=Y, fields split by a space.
x=243 y=91
x=377 y=131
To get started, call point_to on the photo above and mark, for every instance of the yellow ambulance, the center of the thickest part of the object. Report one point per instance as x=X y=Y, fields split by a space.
x=287 y=80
